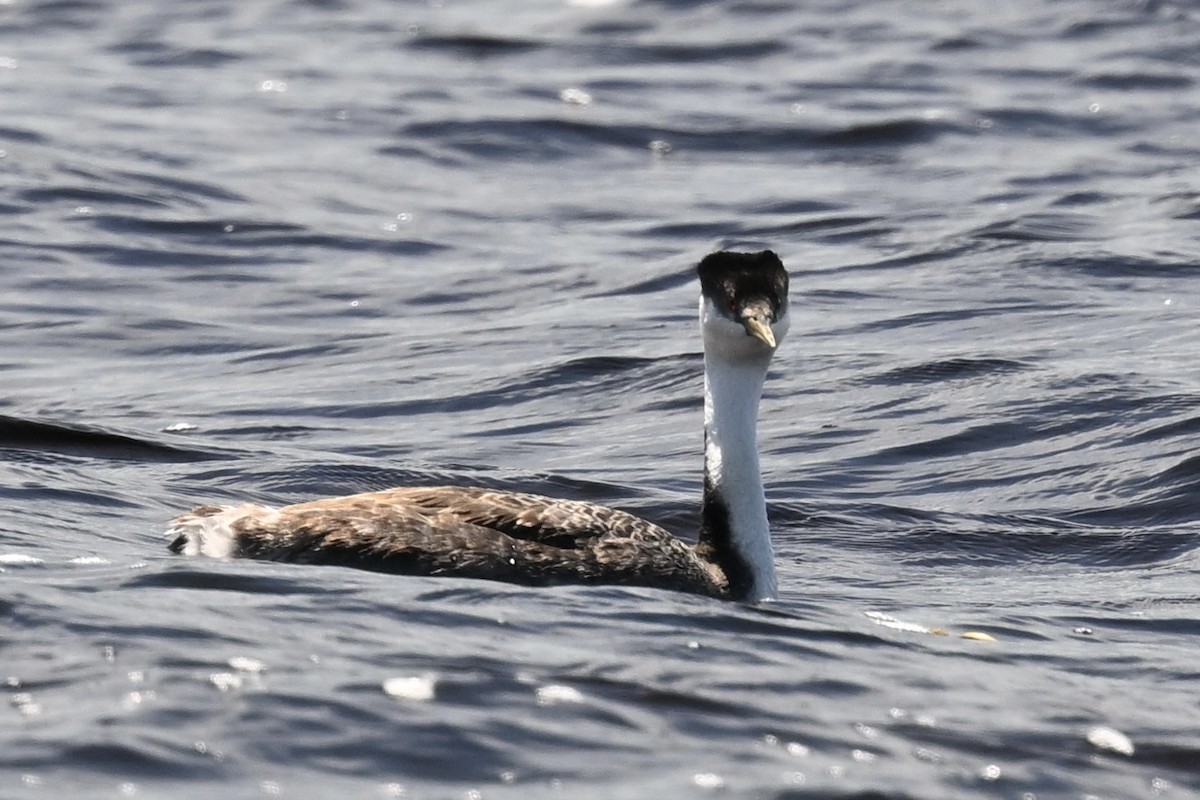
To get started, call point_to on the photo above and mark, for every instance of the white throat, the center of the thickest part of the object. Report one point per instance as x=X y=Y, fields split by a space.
x=735 y=366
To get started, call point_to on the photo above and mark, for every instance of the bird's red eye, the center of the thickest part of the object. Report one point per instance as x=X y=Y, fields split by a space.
x=733 y=305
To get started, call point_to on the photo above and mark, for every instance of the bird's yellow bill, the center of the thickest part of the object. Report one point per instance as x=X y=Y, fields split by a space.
x=760 y=330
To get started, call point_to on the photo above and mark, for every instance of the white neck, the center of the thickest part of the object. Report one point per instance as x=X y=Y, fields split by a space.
x=734 y=370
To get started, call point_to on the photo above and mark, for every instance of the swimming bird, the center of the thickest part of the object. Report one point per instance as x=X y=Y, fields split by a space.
x=528 y=539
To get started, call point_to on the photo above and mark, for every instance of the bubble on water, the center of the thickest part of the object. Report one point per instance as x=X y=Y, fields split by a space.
x=1103 y=737
x=225 y=681
x=575 y=97
x=557 y=693
x=244 y=664
x=415 y=688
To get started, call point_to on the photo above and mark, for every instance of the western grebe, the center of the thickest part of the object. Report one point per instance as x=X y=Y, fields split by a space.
x=527 y=539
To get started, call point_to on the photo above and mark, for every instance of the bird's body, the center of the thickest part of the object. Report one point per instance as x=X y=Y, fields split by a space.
x=528 y=539
x=468 y=532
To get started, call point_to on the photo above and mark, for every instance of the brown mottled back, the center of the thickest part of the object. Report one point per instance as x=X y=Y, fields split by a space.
x=474 y=533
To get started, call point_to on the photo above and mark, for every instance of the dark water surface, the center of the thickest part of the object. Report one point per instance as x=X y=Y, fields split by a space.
x=279 y=250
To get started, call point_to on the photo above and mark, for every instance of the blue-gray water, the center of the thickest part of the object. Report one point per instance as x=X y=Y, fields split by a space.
x=280 y=250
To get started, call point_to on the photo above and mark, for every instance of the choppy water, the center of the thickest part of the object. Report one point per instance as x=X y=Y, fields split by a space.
x=280 y=250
